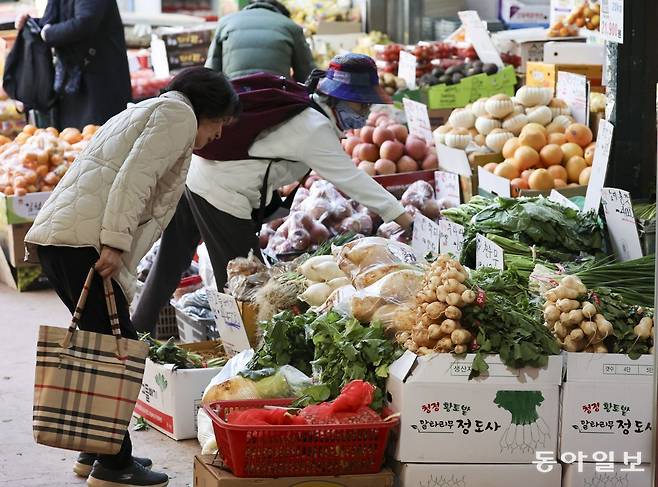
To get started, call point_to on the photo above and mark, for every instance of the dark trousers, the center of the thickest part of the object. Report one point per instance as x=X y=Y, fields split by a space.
x=67 y=269
x=225 y=236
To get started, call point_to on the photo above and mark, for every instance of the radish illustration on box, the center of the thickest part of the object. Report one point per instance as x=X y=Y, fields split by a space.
x=527 y=431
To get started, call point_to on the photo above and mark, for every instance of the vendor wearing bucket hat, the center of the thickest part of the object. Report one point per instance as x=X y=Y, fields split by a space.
x=351 y=85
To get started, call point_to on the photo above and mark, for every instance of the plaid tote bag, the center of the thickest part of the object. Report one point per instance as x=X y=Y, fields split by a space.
x=86 y=384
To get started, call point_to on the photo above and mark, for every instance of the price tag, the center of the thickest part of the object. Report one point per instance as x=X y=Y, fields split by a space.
x=621 y=223
x=488 y=254
x=574 y=90
x=612 y=20
x=560 y=199
x=494 y=184
x=425 y=238
x=479 y=37
x=418 y=119
x=407 y=69
x=27 y=207
x=451 y=238
x=599 y=166
x=453 y=160
x=446 y=187
x=229 y=322
x=159 y=58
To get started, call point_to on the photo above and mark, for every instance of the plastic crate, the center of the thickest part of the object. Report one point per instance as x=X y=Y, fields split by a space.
x=297 y=450
x=192 y=329
x=166 y=326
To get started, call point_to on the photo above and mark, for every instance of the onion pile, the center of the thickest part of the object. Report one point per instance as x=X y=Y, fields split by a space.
x=438 y=313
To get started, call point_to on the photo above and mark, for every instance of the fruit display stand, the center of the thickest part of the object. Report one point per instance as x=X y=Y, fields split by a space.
x=16 y=216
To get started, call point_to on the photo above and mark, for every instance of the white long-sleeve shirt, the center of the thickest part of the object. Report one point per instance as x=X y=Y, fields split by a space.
x=309 y=138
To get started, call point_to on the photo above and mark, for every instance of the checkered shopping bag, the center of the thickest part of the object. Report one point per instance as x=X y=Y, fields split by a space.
x=86 y=384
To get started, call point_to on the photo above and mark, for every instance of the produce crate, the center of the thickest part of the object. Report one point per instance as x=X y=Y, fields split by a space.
x=166 y=326
x=192 y=329
x=397 y=184
x=297 y=450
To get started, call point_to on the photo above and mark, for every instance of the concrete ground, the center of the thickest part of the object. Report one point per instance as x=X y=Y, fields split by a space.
x=22 y=461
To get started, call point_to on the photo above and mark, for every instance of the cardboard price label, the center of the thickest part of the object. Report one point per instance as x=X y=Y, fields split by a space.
x=612 y=20
x=494 y=184
x=621 y=223
x=488 y=254
x=418 y=119
x=451 y=238
x=574 y=90
x=446 y=187
x=559 y=198
x=479 y=37
x=425 y=238
x=453 y=160
x=599 y=166
x=407 y=69
x=229 y=322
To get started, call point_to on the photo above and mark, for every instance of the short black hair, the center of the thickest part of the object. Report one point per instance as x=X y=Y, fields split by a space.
x=210 y=92
x=281 y=8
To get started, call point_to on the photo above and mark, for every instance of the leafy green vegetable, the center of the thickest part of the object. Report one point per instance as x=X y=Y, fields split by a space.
x=140 y=424
x=285 y=343
x=535 y=221
x=346 y=350
x=506 y=321
x=462 y=214
x=170 y=353
x=338 y=241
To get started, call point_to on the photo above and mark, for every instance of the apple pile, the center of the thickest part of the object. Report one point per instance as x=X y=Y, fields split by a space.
x=385 y=147
x=428 y=54
x=38 y=158
x=145 y=85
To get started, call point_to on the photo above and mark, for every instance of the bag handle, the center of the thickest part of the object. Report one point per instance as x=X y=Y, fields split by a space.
x=111 y=310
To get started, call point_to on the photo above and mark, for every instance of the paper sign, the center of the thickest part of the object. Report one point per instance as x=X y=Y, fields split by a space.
x=29 y=205
x=425 y=238
x=446 y=187
x=451 y=238
x=453 y=160
x=621 y=223
x=494 y=184
x=229 y=322
x=572 y=88
x=612 y=20
x=488 y=254
x=407 y=69
x=477 y=33
x=418 y=119
x=599 y=166
x=159 y=58
x=560 y=199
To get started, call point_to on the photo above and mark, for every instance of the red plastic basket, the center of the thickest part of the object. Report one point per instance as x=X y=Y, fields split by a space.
x=297 y=450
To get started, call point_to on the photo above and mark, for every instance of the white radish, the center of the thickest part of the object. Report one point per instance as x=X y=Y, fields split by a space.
x=468 y=296
x=643 y=329
x=589 y=328
x=434 y=331
x=460 y=349
x=566 y=305
x=461 y=337
x=564 y=292
x=589 y=310
x=449 y=326
x=453 y=313
x=454 y=299
x=551 y=313
x=435 y=309
x=576 y=334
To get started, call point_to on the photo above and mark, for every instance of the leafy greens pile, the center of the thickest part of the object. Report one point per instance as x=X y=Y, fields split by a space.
x=533 y=221
x=507 y=322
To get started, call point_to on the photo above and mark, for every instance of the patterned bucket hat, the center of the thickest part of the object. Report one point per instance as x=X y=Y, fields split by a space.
x=353 y=77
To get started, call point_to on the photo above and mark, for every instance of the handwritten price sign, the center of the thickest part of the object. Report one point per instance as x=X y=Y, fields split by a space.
x=229 y=322
x=418 y=119
x=425 y=239
x=488 y=254
x=621 y=223
x=612 y=20
x=451 y=238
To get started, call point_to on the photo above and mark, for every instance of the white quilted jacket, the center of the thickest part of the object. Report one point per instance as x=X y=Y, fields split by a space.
x=122 y=190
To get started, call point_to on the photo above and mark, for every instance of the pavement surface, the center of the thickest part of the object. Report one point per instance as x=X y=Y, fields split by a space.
x=22 y=461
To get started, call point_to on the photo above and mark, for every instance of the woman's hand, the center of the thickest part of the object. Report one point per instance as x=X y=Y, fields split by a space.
x=109 y=264
x=20 y=21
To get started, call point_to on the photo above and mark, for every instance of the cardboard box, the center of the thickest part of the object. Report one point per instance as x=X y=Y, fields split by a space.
x=176 y=39
x=12 y=242
x=415 y=475
x=447 y=418
x=545 y=74
x=169 y=399
x=21 y=209
x=25 y=277
x=249 y=314
x=206 y=474
x=185 y=58
x=525 y=13
x=569 y=191
x=606 y=405
x=588 y=476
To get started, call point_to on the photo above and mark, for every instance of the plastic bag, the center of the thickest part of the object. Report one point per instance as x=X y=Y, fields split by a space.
x=205 y=267
x=146 y=263
x=340 y=301
x=244 y=266
x=369 y=259
x=398 y=288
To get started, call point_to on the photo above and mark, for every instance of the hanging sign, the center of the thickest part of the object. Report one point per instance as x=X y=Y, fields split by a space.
x=599 y=166
x=622 y=226
x=574 y=90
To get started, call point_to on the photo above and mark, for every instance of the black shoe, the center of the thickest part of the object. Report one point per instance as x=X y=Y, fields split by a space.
x=85 y=463
x=135 y=475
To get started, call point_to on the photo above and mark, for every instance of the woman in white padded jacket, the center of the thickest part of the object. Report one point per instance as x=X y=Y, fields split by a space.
x=112 y=205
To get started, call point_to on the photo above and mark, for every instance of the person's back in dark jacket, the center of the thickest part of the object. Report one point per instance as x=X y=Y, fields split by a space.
x=92 y=74
x=260 y=38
